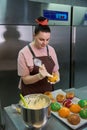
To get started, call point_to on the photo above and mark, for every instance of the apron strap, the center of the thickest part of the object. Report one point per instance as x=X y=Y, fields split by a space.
x=47 y=51
x=31 y=51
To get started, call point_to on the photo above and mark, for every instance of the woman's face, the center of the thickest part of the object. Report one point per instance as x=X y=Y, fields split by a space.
x=41 y=39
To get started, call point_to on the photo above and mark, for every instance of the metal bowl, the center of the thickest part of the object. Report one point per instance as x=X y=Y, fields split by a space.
x=36 y=117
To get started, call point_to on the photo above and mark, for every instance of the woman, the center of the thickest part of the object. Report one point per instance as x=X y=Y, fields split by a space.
x=34 y=77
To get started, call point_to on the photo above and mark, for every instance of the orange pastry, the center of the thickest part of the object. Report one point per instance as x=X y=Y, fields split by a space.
x=75 y=108
x=64 y=112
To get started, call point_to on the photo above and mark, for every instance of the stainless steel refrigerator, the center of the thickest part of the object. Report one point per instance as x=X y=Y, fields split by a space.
x=60 y=40
x=79 y=44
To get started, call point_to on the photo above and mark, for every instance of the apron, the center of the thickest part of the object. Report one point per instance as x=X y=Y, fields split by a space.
x=42 y=85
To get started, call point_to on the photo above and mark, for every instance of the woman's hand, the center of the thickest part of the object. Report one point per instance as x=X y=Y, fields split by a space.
x=43 y=72
x=54 y=79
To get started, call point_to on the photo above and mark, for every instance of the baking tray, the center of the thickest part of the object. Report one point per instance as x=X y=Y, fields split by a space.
x=74 y=100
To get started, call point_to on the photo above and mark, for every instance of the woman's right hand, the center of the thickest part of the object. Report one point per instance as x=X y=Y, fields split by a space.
x=43 y=71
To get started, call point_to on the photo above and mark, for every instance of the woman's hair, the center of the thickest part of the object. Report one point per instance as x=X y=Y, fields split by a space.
x=42 y=25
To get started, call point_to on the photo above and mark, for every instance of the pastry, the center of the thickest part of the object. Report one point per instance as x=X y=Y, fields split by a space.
x=49 y=94
x=73 y=119
x=83 y=103
x=60 y=98
x=75 y=108
x=83 y=113
x=64 y=112
x=67 y=103
x=55 y=106
x=70 y=95
x=53 y=79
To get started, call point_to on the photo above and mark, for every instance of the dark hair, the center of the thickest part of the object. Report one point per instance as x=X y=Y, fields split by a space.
x=41 y=28
x=42 y=25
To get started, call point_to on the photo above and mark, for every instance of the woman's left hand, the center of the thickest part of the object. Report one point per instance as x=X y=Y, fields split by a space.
x=54 y=79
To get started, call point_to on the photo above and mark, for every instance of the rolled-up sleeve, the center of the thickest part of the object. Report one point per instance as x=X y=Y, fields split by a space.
x=23 y=69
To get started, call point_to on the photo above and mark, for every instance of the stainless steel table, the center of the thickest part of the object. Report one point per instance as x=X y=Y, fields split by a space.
x=13 y=120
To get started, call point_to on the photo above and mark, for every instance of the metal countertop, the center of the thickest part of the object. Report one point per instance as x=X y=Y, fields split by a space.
x=13 y=120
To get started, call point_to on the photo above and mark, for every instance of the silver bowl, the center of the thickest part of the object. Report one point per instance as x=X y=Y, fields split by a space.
x=36 y=117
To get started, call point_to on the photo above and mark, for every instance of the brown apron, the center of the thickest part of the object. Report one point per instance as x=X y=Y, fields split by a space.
x=42 y=85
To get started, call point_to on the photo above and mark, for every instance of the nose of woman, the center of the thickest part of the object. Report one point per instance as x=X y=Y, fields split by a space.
x=45 y=42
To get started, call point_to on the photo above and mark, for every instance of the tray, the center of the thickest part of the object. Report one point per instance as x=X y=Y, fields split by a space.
x=74 y=100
